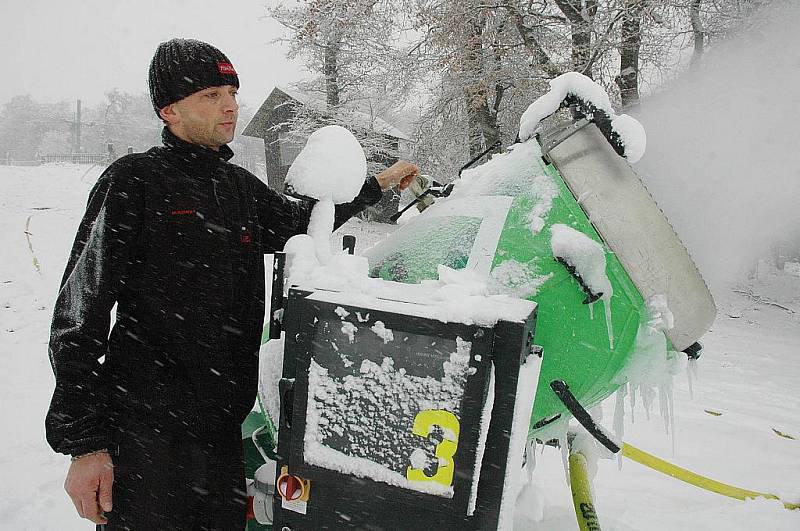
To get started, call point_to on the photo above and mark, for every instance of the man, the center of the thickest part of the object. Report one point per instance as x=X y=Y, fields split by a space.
x=175 y=237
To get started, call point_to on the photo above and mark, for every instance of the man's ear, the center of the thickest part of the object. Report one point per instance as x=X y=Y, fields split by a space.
x=169 y=114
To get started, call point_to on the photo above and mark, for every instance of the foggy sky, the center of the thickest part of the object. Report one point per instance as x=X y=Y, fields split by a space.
x=723 y=156
x=64 y=50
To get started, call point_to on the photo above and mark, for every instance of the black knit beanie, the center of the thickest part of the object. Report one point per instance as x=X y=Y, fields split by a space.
x=181 y=67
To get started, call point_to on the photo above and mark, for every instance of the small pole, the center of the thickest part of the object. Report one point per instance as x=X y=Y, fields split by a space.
x=78 y=129
x=582 y=493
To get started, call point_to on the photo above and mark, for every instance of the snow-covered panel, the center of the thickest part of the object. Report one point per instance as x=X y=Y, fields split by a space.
x=363 y=419
x=321 y=455
x=450 y=303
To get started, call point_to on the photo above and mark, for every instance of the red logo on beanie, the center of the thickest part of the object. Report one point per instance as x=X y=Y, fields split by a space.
x=226 y=68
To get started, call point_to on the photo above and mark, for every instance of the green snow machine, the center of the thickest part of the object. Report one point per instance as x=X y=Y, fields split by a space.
x=562 y=220
x=499 y=219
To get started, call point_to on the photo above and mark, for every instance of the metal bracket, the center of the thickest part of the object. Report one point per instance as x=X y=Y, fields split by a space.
x=559 y=135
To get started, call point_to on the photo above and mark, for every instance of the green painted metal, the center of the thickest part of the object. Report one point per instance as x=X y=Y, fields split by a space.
x=252 y=525
x=574 y=336
x=265 y=332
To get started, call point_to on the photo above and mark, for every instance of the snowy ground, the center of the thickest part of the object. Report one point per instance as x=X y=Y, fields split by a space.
x=748 y=374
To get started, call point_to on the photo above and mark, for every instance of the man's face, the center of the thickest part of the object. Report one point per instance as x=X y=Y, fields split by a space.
x=207 y=117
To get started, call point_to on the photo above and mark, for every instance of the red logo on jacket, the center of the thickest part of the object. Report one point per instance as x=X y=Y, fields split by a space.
x=226 y=69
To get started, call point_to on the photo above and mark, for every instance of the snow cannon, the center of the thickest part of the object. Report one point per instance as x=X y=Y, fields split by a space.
x=562 y=219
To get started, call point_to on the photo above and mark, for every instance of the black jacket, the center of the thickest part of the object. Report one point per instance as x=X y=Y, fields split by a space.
x=175 y=237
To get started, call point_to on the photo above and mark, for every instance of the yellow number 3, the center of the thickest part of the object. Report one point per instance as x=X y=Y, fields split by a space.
x=445 y=450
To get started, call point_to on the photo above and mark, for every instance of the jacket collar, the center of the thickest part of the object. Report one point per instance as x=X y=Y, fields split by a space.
x=194 y=154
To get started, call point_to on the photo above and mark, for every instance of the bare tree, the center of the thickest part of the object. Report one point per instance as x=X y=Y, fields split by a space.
x=538 y=28
x=630 y=42
x=580 y=14
x=475 y=65
x=697 y=30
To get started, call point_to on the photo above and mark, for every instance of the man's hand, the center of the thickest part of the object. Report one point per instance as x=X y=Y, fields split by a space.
x=89 y=483
x=400 y=173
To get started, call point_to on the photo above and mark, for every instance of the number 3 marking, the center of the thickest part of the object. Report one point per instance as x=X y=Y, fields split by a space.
x=445 y=450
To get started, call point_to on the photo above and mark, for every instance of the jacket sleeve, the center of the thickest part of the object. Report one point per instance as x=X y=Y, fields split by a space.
x=282 y=217
x=101 y=257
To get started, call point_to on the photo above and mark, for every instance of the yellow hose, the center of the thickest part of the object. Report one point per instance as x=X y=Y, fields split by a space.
x=582 y=493
x=690 y=477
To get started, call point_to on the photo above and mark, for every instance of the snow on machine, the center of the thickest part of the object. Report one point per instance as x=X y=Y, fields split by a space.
x=407 y=382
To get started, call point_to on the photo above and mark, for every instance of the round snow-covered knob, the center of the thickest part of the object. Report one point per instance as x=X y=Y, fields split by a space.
x=332 y=164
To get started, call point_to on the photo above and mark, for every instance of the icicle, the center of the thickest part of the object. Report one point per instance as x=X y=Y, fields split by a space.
x=564 y=446
x=609 y=326
x=647 y=399
x=663 y=408
x=529 y=506
x=619 y=418
x=591 y=312
x=691 y=375
x=619 y=412
x=531 y=455
x=632 y=394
